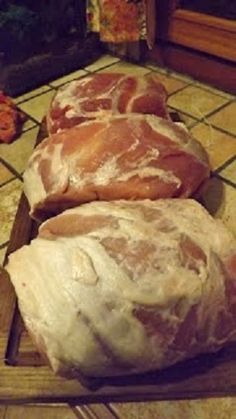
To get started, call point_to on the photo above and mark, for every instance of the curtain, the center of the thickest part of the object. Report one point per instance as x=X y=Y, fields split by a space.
x=119 y=21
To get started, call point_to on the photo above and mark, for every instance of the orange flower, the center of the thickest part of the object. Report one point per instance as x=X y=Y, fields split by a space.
x=119 y=21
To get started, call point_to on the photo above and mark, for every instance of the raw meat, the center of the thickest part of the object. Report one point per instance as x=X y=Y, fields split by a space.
x=121 y=287
x=101 y=94
x=11 y=119
x=123 y=157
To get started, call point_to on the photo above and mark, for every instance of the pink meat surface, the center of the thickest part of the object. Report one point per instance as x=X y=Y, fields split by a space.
x=102 y=94
x=124 y=157
x=121 y=287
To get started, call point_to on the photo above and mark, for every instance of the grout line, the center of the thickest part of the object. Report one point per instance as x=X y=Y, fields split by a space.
x=9 y=181
x=227 y=181
x=158 y=69
x=76 y=78
x=193 y=124
x=226 y=164
x=195 y=120
x=101 y=68
x=124 y=61
x=181 y=77
x=178 y=90
x=28 y=129
x=204 y=118
x=2 y=245
x=32 y=119
x=52 y=87
x=29 y=117
x=215 y=127
x=168 y=72
x=224 y=131
x=186 y=113
x=208 y=115
x=210 y=89
x=12 y=170
x=34 y=96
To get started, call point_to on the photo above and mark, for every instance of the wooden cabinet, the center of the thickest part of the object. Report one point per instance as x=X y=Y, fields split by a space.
x=203 y=32
x=200 y=44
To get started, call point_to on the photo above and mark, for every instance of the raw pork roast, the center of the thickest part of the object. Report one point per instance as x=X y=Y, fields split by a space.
x=122 y=287
x=123 y=157
x=102 y=94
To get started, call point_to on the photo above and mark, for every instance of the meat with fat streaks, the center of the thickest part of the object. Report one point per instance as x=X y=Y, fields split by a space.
x=103 y=94
x=123 y=157
x=121 y=287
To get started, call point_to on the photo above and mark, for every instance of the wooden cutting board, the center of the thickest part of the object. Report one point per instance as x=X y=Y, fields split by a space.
x=24 y=376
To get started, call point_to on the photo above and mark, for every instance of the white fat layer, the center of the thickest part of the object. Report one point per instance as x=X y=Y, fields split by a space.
x=162 y=126
x=142 y=86
x=106 y=172
x=110 y=170
x=66 y=95
x=177 y=132
x=36 y=193
x=59 y=172
x=61 y=283
x=146 y=172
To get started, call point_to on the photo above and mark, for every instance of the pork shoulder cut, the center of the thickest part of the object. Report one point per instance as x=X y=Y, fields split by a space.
x=121 y=287
x=101 y=94
x=124 y=157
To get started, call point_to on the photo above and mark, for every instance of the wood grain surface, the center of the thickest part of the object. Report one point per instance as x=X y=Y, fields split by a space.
x=26 y=379
x=202 y=32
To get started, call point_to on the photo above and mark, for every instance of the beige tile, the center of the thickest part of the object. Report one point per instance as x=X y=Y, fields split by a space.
x=225 y=118
x=28 y=124
x=219 y=146
x=220 y=200
x=72 y=76
x=2 y=256
x=214 y=90
x=182 y=409
x=181 y=76
x=10 y=195
x=157 y=68
x=127 y=68
x=31 y=94
x=39 y=412
x=104 y=61
x=5 y=174
x=38 y=106
x=18 y=152
x=164 y=70
x=230 y=173
x=195 y=101
x=171 y=83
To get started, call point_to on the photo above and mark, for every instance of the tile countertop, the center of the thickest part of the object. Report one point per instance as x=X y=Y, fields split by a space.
x=210 y=114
